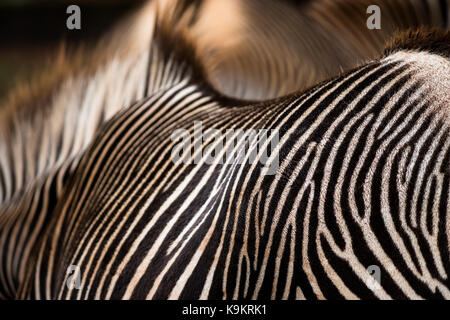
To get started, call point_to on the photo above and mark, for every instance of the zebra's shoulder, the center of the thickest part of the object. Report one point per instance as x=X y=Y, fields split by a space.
x=427 y=52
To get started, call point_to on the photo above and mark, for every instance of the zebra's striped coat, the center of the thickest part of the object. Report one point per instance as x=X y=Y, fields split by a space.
x=362 y=180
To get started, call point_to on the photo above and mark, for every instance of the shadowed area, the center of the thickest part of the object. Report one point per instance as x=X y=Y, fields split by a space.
x=30 y=31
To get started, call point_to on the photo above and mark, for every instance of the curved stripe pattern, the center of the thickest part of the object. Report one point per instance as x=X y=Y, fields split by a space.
x=362 y=179
x=265 y=56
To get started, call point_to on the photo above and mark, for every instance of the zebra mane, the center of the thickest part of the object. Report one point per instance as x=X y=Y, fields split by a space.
x=55 y=116
x=172 y=45
x=432 y=40
x=427 y=50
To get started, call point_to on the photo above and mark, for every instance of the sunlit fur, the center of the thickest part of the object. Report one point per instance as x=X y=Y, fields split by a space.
x=363 y=180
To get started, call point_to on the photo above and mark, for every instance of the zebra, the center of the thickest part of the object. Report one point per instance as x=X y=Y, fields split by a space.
x=114 y=77
x=227 y=231
x=262 y=56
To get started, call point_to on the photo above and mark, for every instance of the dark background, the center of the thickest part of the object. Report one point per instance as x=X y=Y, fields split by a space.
x=32 y=29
